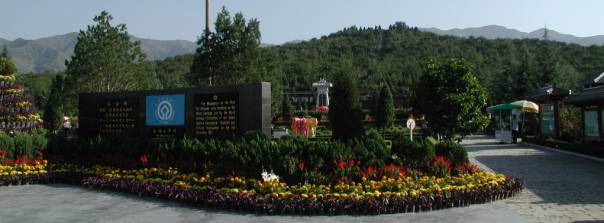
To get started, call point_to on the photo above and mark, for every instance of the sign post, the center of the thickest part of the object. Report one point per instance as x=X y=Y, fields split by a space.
x=411 y=126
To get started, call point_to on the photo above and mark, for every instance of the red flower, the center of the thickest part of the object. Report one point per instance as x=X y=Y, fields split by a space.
x=342 y=164
x=392 y=170
x=144 y=160
x=351 y=163
x=370 y=172
x=466 y=168
x=3 y=153
x=301 y=165
x=441 y=161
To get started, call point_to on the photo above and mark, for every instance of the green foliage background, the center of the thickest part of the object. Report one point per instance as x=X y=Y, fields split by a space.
x=451 y=98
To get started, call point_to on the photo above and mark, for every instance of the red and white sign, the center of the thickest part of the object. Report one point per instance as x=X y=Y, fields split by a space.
x=410 y=124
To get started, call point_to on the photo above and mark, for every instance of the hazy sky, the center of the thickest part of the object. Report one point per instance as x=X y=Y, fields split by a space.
x=285 y=20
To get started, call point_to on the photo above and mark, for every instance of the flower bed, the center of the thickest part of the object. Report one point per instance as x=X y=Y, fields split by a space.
x=401 y=193
x=24 y=173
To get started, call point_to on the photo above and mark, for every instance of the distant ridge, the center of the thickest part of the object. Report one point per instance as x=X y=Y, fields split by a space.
x=50 y=53
x=501 y=32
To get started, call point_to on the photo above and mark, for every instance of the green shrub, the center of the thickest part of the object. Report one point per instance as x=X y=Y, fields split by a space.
x=378 y=153
x=7 y=143
x=453 y=151
x=294 y=158
x=23 y=145
x=414 y=154
x=39 y=140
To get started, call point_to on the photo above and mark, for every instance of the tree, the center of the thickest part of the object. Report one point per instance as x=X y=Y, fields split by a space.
x=229 y=54
x=452 y=99
x=105 y=59
x=547 y=60
x=286 y=108
x=53 y=111
x=385 y=110
x=523 y=81
x=7 y=67
x=4 y=52
x=39 y=84
x=172 y=70
x=375 y=100
x=345 y=113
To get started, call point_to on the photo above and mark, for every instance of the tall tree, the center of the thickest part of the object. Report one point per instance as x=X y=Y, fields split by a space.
x=105 y=59
x=53 y=110
x=385 y=110
x=4 y=52
x=522 y=75
x=229 y=54
x=345 y=114
x=452 y=99
x=286 y=108
x=547 y=60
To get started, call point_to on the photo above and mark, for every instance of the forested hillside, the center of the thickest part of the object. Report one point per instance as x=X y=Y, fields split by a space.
x=509 y=68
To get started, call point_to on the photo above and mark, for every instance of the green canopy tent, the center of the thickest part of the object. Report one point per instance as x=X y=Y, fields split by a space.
x=503 y=134
x=501 y=107
x=524 y=106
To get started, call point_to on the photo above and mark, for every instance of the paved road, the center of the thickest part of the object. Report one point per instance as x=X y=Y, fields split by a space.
x=560 y=187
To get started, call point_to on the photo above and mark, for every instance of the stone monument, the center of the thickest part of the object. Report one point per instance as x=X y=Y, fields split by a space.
x=218 y=111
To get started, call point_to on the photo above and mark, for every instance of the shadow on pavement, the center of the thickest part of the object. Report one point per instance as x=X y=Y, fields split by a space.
x=162 y=203
x=553 y=177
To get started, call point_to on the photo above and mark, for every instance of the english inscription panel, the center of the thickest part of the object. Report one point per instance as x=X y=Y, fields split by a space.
x=216 y=114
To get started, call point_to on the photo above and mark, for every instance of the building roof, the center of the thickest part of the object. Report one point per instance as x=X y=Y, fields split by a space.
x=549 y=92
x=592 y=80
x=322 y=83
x=588 y=96
x=301 y=93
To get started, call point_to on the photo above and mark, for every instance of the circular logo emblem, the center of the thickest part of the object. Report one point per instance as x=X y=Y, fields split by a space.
x=164 y=110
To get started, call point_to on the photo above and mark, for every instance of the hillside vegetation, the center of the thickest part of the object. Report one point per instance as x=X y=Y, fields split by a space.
x=509 y=68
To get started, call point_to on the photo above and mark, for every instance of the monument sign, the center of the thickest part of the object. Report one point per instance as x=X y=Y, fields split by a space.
x=220 y=111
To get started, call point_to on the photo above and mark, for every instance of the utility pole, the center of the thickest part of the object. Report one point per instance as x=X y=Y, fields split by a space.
x=207 y=35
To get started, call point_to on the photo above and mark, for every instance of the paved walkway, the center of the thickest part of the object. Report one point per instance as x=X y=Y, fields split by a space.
x=559 y=187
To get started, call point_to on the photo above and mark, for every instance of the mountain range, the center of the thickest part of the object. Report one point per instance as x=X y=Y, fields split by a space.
x=50 y=53
x=501 y=32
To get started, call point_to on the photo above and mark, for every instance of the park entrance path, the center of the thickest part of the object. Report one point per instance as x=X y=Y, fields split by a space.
x=559 y=187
